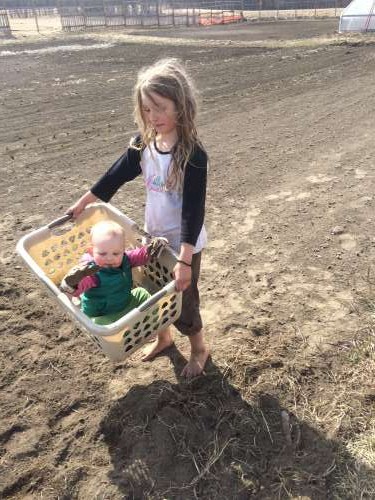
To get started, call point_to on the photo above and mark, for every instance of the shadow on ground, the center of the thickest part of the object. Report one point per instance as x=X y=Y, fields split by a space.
x=200 y=439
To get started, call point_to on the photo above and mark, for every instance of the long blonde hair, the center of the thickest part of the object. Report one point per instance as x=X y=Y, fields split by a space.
x=168 y=78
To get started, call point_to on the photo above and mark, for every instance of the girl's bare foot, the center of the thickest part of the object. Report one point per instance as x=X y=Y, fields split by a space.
x=196 y=363
x=163 y=341
x=198 y=356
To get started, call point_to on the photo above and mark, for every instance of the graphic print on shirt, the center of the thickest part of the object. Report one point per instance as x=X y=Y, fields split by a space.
x=156 y=183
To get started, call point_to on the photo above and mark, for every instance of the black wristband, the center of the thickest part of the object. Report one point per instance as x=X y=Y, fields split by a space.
x=183 y=262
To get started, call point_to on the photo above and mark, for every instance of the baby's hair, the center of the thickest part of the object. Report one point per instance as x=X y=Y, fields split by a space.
x=168 y=78
x=107 y=228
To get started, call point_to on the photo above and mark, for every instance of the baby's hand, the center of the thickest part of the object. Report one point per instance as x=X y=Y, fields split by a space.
x=156 y=247
x=76 y=274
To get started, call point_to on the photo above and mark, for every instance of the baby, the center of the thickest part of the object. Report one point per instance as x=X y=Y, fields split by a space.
x=103 y=279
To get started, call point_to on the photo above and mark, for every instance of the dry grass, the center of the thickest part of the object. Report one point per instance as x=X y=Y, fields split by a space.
x=330 y=394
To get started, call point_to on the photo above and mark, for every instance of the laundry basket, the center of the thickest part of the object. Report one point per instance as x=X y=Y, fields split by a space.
x=54 y=249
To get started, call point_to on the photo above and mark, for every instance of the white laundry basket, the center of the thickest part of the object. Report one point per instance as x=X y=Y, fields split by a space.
x=53 y=250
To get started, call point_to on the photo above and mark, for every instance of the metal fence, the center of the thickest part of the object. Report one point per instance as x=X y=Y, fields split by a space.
x=293 y=4
x=26 y=12
x=148 y=13
x=4 y=24
x=293 y=8
x=75 y=15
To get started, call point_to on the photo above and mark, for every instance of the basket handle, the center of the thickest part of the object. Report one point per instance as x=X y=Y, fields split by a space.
x=141 y=231
x=60 y=221
x=152 y=301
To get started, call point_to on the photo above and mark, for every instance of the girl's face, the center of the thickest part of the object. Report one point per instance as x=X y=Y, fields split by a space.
x=159 y=112
x=108 y=250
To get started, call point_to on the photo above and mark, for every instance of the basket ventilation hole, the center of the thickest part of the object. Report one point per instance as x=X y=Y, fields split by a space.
x=164 y=305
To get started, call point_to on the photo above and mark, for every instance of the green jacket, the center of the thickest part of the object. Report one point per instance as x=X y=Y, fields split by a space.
x=113 y=292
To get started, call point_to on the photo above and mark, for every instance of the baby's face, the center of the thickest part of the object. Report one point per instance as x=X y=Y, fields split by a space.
x=108 y=250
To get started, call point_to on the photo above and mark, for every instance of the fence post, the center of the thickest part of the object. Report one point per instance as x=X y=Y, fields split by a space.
x=124 y=11
x=36 y=18
x=157 y=12
x=104 y=14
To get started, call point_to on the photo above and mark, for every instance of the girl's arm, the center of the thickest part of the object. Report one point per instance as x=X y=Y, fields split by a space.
x=80 y=205
x=194 y=197
x=182 y=270
x=125 y=169
x=193 y=209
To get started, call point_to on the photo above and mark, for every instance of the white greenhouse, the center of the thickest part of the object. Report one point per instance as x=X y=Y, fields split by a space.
x=359 y=15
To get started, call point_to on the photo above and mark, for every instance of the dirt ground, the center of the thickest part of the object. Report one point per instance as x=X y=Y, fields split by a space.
x=286 y=283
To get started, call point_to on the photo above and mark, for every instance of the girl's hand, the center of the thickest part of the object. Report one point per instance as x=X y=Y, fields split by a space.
x=182 y=275
x=80 y=205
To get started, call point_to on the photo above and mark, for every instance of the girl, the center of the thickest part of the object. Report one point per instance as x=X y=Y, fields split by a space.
x=173 y=162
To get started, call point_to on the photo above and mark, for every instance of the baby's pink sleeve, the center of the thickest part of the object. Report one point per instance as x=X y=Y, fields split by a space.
x=85 y=284
x=138 y=257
